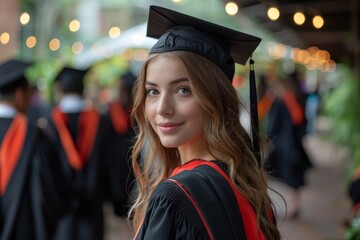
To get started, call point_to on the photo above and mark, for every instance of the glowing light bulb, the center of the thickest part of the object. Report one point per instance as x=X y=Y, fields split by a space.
x=231 y=8
x=299 y=18
x=273 y=13
x=318 y=22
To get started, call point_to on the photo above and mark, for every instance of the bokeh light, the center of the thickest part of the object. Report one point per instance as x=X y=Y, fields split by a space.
x=74 y=25
x=77 y=47
x=5 y=38
x=318 y=22
x=24 y=18
x=231 y=8
x=114 y=32
x=299 y=18
x=31 y=42
x=273 y=13
x=54 y=44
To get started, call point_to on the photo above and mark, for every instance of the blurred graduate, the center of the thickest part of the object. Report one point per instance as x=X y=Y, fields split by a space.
x=118 y=172
x=33 y=192
x=77 y=128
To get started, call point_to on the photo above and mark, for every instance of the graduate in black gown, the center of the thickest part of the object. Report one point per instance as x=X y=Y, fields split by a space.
x=118 y=174
x=32 y=190
x=199 y=178
x=78 y=130
x=287 y=160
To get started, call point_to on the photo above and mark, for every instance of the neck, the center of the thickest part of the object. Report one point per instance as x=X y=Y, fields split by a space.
x=194 y=150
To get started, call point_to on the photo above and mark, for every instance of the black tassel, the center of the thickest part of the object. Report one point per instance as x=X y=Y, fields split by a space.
x=254 y=114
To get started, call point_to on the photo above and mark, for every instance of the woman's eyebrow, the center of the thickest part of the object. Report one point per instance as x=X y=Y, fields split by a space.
x=173 y=82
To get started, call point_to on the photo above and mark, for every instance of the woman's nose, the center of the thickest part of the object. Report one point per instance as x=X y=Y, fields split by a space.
x=166 y=105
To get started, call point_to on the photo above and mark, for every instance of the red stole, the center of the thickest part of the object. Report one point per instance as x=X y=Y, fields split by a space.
x=252 y=229
x=10 y=149
x=119 y=117
x=88 y=122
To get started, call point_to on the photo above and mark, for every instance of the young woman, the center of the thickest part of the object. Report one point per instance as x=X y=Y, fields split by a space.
x=198 y=177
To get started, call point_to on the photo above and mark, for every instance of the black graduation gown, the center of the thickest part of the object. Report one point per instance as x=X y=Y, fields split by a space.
x=33 y=196
x=354 y=191
x=287 y=160
x=199 y=202
x=82 y=164
x=118 y=172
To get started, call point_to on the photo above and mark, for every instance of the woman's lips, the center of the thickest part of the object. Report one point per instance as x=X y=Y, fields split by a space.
x=168 y=127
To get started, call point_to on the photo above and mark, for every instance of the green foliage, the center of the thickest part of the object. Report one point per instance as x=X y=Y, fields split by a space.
x=342 y=106
x=42 y=74
x=353 y=230
x=108 y=71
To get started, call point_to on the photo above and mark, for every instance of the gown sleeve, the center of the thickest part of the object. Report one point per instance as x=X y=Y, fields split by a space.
x=171 y=215
x=51 y=191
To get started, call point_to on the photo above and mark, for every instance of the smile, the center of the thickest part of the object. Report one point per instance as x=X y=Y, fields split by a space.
x=168 y=127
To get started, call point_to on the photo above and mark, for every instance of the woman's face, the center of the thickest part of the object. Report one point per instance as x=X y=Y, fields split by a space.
x=173 y=111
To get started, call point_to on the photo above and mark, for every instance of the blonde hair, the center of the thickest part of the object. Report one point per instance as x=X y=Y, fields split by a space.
x=225 y=139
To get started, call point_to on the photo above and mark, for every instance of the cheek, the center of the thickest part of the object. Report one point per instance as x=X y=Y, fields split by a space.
x=149 y=112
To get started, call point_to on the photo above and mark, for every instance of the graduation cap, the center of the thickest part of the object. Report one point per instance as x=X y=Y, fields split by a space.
x=71 y=79
x=223 y=46
x=128 y=79
x=12 y=74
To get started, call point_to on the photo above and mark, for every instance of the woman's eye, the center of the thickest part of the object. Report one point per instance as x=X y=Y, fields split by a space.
x=184 y=90
x=151 y=92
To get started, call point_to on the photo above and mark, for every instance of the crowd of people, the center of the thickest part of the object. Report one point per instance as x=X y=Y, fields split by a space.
x=59 y=164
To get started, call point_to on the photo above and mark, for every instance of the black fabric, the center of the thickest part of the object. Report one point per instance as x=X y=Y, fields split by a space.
x=171 y=215
x=212 y=194
x=240 y=45
x=85 y=218
x=185 y=38
x=118 y=174
x=71 y=79
x=354 y=191
x=287 y=160
x=12 y=73
x=36 y=195
x=129 y=79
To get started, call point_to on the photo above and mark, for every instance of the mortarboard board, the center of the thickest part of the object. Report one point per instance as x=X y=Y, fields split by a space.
x=71 y=79
x=223 y=46
x=12 y=74
x=215 y=42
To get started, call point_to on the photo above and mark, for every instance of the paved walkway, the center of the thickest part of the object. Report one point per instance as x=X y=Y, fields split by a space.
x=324 y=203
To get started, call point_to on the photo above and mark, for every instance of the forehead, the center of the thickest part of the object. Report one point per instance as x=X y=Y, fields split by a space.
x=165 y=65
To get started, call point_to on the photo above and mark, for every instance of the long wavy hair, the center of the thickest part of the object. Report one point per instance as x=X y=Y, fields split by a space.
x=225 y=139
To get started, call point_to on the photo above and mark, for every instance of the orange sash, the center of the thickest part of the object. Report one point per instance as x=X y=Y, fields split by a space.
x=119 y=117
x=88 y=122
x=295 y=110
x=264 y=106
x=10 y=149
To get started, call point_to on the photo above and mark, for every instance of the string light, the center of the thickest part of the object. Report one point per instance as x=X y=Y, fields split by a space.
x=31 y=42
x=318 y=22
x=74 y=25
x=114 y=32
x=231 y=8
x=24 y=18
x=273 y=13
x=54 y=44
x=299 y=18
x=4 y=38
